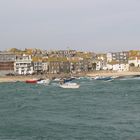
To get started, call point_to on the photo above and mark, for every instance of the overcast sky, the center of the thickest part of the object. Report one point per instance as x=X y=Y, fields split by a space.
x=96 y=25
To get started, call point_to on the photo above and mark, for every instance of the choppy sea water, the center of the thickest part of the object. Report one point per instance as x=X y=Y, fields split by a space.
x=96 y=111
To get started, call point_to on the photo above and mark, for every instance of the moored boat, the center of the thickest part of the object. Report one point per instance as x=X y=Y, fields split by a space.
x=43 y=81
x=57 y=79
x=70 y=85
x=31 y=81
x=103 y=78
x=68 y=79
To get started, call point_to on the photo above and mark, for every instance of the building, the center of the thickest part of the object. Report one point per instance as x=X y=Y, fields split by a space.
x=134 y=61
x=54 y=67
x=7 y=63
x=37 y=66
x=45 y=66
x=64 y=67
x=119 y=67
x=57 y=67
x=23 y=65
x=120 y=57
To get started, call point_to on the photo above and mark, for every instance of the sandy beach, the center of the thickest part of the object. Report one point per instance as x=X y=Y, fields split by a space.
x=113 y=74
x=92 y=74
x=14 y=78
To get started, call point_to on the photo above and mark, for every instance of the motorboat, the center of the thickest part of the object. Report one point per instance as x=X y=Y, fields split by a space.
x=70 y=85
x=57 y=79
x=103 y=78
x=68 y=79
x=43 y=81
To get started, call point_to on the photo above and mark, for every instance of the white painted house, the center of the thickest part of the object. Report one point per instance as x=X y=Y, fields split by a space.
x=101 y=62
x=23 y=65
x=45 y=66
x=134 y=61
x=101 y=65
x=118 y=66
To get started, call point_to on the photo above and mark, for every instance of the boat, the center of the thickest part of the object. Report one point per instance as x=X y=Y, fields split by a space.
x=31 y=81
x=70 y=85
x=103 y=78
x=68 y=79
x=57 y=79
x=43 y=81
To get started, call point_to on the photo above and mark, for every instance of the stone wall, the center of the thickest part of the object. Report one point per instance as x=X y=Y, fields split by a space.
x=4 y=72
x=134 y=69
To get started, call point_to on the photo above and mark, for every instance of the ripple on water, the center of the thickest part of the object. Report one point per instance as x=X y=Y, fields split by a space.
x=97 y=110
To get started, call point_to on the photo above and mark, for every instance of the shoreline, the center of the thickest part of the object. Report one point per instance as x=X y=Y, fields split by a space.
x=126 y=73
x=6 y=79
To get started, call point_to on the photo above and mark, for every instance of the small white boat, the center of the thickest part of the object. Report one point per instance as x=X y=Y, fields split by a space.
x=44 y=82
x=70 y=85
x=103 y=78
x=57 y=79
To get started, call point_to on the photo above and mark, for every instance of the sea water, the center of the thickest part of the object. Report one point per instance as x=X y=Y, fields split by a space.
x=98 y=110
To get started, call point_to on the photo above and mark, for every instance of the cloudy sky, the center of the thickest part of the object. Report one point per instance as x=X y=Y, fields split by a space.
x=96 y=25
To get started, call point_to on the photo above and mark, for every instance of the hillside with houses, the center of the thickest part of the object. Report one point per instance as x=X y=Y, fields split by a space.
x=36 y=61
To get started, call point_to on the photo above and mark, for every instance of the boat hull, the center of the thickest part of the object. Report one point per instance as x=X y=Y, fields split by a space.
x=70 y=85
x=31 y=81
x=45 y=82
x=103 y=78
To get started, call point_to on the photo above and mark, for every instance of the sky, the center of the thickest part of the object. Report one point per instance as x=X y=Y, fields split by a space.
x=86 y=25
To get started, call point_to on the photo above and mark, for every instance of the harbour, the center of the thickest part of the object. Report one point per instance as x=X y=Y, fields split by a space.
x=97 y=110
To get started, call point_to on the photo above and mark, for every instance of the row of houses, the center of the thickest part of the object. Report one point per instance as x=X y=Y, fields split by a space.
x=67 y=62
x=27 y=64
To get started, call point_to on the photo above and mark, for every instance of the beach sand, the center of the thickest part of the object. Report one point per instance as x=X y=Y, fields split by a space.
x=92 y=74
x=113 y=74
x=14 y=78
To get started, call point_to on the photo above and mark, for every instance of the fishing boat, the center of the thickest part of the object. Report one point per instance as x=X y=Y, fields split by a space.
x=70 y=85
x=31 y=81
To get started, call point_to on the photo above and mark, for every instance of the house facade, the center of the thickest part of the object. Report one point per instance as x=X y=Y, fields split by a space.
x=37 y=66
x=119 y=67
x=121 y=57
x=23 y=65
x=7 y=63
x=134 y=61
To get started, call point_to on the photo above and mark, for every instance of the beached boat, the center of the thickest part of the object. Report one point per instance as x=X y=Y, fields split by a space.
x=43 y=81
x=70 y=85
x=31 y=81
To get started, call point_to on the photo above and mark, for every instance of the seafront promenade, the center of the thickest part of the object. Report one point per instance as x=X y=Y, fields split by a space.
x=91 y=74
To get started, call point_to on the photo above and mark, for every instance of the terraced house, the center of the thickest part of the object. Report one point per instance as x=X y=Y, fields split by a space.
x=23 y=65
x=58 y=65
x=37 y=65
x=7 y=63
x=120 y=57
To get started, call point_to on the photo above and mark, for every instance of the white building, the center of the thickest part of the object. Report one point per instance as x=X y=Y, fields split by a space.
x=134 y=61
x=121 y=57
x=109 y=57
x=45 y=66
x=118 y=67
x=101 y=65
x=23 y=65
